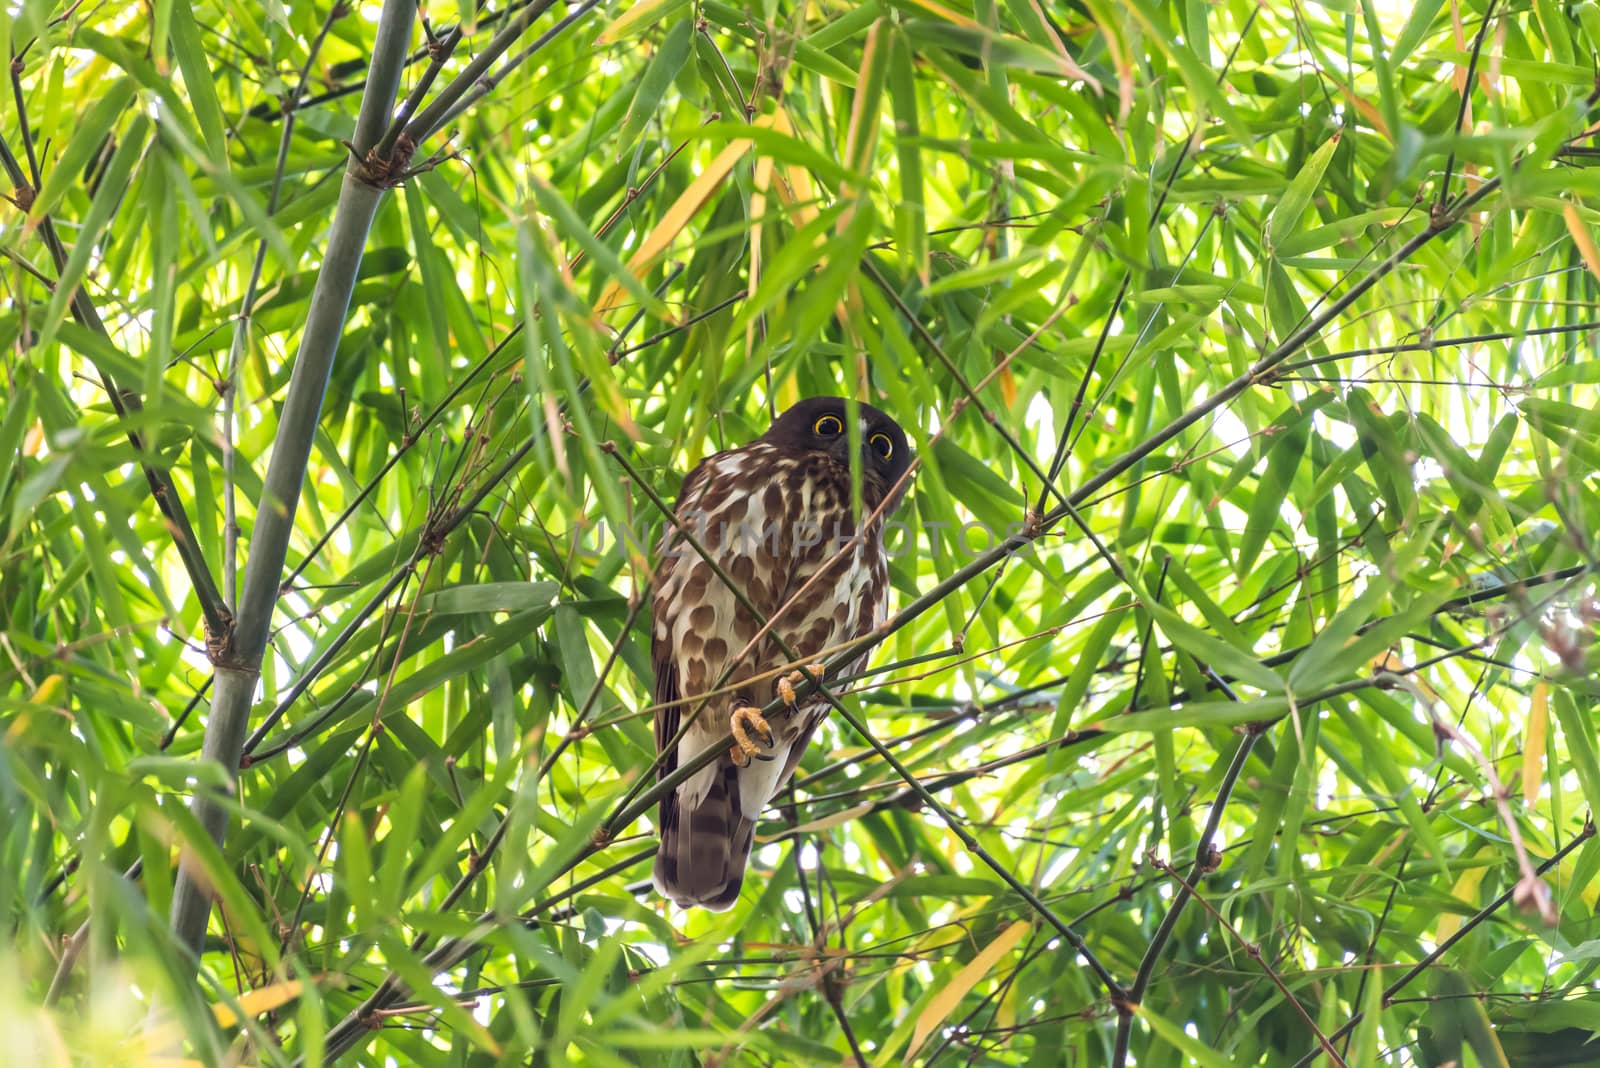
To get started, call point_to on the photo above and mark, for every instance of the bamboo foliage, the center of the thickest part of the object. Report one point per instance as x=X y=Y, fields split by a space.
x=1236 y=704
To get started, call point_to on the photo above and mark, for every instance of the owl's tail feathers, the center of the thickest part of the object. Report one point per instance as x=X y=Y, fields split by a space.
x=704 y=849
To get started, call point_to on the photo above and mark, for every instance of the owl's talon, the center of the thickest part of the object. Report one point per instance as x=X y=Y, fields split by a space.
x=787 y=683
x=751 y=733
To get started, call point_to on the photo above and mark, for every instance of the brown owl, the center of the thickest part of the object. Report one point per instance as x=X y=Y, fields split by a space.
x=772 y=514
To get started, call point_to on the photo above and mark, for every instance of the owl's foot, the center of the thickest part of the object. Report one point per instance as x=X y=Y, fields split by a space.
x=787 y=683
x=748 y=726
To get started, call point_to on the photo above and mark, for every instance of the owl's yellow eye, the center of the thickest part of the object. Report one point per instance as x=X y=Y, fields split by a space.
x=881 y=445
x=828 y=426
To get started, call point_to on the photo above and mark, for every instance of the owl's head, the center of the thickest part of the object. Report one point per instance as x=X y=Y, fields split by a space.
x=818 y=424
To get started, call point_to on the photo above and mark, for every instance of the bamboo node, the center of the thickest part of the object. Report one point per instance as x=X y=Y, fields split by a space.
x=218 y=641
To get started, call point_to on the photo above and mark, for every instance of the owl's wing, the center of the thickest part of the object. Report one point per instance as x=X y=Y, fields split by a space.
x=667 y=691
x=705 y=838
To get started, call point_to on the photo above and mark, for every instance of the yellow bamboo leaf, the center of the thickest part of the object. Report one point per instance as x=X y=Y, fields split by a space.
x=944 y=1003
x=794 y=184
x=1533 y=743
x=1582 y=237
x=49 y=690
x=1466 y=889
x=673 y=221
x=796 y=192
x=256 y=1002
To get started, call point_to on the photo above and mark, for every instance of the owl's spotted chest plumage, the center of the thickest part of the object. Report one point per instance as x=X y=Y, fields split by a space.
x=771 y=533
x=778 y=522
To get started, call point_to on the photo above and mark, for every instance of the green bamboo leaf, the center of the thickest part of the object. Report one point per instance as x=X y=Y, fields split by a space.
x=1229 y=659
x=659 y=75
x=88 y=138
x=113 y=186
x=13 y=425
x=1199 y=714
x=638 y=19
x=1347 y=230
x=845 y=26
x=1586 y=373
x=980 y=490
x=1577 y=729
x=1589 y=18
x=577 y=661
x=1382 y=72
x=436 y=281
x=1002 y=51
x=806 y=55
x=399 y=956
x=1196 y=77
x=783 y=148
x=983 y=274
x=1312 y=667
x=190 y=49
x=405 y=821
x=1377 y=757
x=1416 y=28
x=526 y=597
x=864 y=104
x=355 y=863
x=1193 y=1048
x=1292 y=435
x=556 y=206
x=911 y=211
x=1364 y=1045
x=1284 y=218
x=200 y=850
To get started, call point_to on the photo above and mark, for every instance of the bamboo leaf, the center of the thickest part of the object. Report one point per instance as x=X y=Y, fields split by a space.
x=88 y=137
x=186 y=42
x=936 y=1011
x=1227 y=658
x=664 y=67
x=676 y=218
x=1285 y=217
x=1533 y=745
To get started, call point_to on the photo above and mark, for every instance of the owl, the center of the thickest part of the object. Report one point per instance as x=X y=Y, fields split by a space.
x=777 y=518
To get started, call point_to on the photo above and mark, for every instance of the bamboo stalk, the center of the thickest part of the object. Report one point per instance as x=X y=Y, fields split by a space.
x=239 y=664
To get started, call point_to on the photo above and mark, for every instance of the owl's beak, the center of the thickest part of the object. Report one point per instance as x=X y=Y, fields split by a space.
x=840 y=449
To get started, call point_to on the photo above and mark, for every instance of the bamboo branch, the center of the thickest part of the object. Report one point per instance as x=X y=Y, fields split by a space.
x=241 y=326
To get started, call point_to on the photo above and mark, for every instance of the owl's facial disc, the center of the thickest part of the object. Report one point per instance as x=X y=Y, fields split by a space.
x=876 y=447
x=818 y=424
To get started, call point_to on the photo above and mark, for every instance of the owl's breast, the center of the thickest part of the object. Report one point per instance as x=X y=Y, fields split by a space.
x=837 y=580
x=779 y=526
